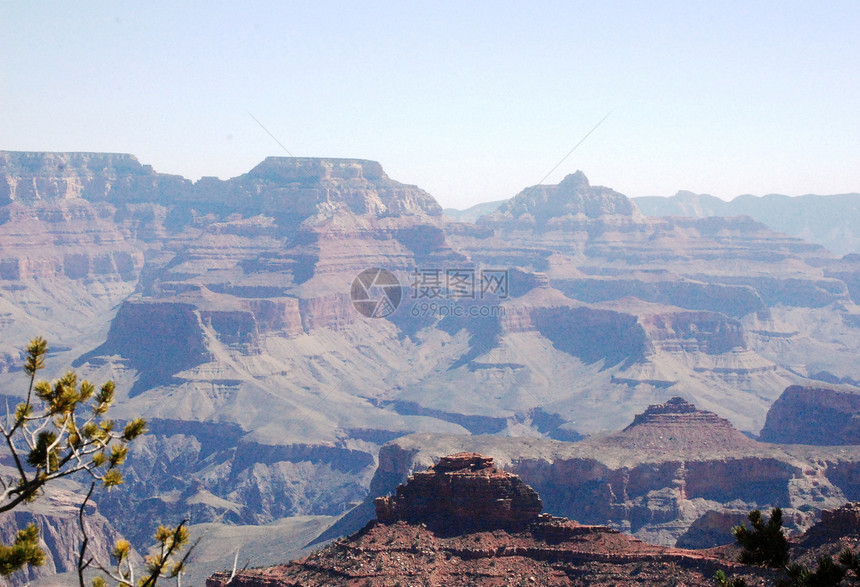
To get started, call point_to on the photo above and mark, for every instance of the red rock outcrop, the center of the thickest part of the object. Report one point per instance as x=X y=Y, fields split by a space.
x=821 y=415
x=680 y=424
x=671 y=466
x=835 y=525
x=462 y=491
x=503 y=542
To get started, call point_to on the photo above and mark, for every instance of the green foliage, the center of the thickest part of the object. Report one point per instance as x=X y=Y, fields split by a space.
x=764 y=543
x=827 y=574
x=724 y=581
x=57 y=431
x=61 y=429
x=168 y=560
x=851 y=561
x=134 y=429
x=25 y=551
x=44 y=454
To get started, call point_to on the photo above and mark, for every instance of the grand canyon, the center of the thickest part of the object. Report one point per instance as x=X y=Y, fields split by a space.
x=652 y=377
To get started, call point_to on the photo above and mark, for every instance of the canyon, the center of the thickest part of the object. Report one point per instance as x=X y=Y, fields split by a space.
x=672 y=476
x=223 y=310
x=502 y=538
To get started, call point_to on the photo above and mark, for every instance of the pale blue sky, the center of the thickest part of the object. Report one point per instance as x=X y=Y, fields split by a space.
x=472 y=101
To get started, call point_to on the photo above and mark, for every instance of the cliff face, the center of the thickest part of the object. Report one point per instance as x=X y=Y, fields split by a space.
x=814 y=415
x=672 y=466
x=73 y=239
x=32 y=178
x=301 y=188
x=223 y=309
x=496 y=537
x=461 y=492
x=56 y=516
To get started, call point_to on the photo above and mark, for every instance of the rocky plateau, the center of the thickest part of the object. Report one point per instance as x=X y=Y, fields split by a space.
x=222 y=310
x=673 y=476
x=503 y=539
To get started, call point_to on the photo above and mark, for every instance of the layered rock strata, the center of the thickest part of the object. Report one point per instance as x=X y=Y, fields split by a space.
x=672 y=466
x=462 y=491
x=222 y=310
x=821 y=415
x=505 y=541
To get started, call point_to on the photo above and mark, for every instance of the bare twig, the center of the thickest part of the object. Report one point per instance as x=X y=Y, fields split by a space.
x=82 y=564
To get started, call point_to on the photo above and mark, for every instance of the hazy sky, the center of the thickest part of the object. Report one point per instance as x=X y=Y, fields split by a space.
x=471 y=101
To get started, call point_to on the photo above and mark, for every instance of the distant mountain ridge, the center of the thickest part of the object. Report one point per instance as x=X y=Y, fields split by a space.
x=831 y=221
x=828 y=220
x=472 y=213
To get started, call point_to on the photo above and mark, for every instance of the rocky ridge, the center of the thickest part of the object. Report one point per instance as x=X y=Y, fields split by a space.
x=222 y=310
x=822 y=415
x=461 y=492
x=673 y=466
x=828 y=220
x=523 y=548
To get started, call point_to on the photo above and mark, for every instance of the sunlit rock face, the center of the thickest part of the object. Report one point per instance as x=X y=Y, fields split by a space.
x=34 y=177
x=822 y=415
x=308 y=187
x=460 y=492
x=222 y=309
x=675 y=472
x=464 y=522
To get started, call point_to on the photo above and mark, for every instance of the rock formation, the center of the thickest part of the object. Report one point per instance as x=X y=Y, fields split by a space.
x=461 y=492
x=837 y=524
x=573 y=198
x=222 y=309
x=672 y=466
x=819 y=415
x=827 y=220
x=32 y=178
x=838 y=530
x=681 y=425
x=513 y=544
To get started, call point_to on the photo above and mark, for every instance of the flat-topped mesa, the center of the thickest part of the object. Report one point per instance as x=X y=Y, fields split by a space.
x=42 y=177
x=298 y=187
x=678 y=424
x=573 y=199
x=462 y=492
x=312 y=169
x=303 y=187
